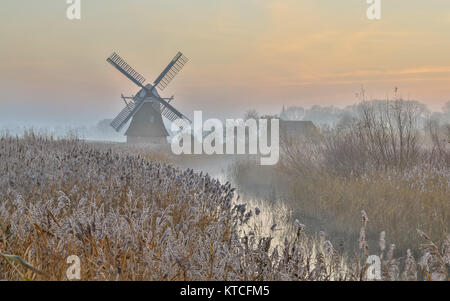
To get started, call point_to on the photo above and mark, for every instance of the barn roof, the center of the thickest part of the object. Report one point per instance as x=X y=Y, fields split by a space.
x=297 y=126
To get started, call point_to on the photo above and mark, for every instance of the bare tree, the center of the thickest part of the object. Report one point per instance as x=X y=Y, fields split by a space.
x=251 y=114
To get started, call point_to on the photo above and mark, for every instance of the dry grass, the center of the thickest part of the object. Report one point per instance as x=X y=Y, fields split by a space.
x=380 y=162
x=129 y=217
x=396 y=205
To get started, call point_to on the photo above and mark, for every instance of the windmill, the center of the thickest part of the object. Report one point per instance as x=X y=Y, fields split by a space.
x=147 y=108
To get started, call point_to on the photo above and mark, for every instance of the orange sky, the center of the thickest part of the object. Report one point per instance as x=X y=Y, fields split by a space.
x=243 y=54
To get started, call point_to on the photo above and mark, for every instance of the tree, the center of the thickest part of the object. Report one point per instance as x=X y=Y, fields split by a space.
x=446 y=108
x=251 y=114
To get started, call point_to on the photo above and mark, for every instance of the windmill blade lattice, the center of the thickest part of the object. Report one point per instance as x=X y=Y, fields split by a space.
x=126 y=69
x=172 y=114
x=170 y=71
x=126 y=114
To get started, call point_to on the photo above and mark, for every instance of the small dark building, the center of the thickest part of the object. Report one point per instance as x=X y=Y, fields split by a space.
x=293 y=128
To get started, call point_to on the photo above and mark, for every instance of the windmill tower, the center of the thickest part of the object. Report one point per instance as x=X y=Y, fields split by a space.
x=147 y=108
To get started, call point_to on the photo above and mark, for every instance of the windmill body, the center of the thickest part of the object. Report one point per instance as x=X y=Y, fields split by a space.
x=147 y=126
x=147 y=108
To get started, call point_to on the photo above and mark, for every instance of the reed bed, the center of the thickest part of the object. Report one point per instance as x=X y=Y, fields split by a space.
x=128 y=216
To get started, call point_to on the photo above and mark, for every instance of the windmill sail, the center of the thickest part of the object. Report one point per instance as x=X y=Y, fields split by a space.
x=126 y=69
x=168 y=111
x=126 y=114
x=171 y=71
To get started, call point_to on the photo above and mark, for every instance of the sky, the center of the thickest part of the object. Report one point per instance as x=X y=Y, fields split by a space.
x=244 y=54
